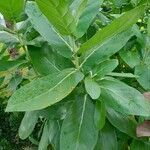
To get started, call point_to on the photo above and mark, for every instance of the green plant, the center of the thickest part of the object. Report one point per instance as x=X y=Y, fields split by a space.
x=83 y=66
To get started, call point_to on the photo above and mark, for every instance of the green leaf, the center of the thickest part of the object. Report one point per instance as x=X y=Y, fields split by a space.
x=42 y=64
x=54 y=133
x=124 y=98
x=77 y=7
x=143 y=71
x=44 y=142
x=120 y=3
x=12 y=9
x=123 y=75
x=92 y=88
x=8 y=66
x=78 y=130
x=59 y=14
x=28 y=123
x=87 y=16
x=100 y=114
x=131 y=58
x=122 y=122
x=45 y=61
x=105 y=68
x=117 y=26
x=148 y=27
x=58 y=42
x=103 y=51
x=140 y=145
x=8 y=38
x=1 y=81
x=14 y=82
x=45 y=91
x=107 y=138
x=98 y=47
x=50 y=135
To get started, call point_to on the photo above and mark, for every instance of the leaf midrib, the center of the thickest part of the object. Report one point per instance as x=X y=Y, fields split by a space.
x=81 y=122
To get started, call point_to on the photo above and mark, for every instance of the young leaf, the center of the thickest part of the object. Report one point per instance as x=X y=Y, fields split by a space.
x=12 y=9
x=122 y=122
x=124 y=98
x=28 y=123
x=45 y=91
x=59 y=14
x=57 y=41
x=105 y=67
x=87 y=16
x=107 y=138
x=92 y=88
x=100 y=114
x=102 y=52
x=78 y=130
x=143 y=71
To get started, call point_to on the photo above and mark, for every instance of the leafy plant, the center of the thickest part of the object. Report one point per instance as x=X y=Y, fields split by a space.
x=83 y=65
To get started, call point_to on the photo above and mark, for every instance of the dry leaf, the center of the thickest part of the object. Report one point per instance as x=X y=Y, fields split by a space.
x=143 y=129
x=147 y=95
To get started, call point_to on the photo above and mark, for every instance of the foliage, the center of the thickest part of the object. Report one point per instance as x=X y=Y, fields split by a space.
x=78 y=69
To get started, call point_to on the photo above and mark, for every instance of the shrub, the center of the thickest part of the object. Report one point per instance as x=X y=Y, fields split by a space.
x=78 y=69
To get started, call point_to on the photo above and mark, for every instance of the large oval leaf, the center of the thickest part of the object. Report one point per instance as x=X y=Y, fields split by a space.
x=78 y=130
x=58 y=42
x=106 y=42
x=117 y=26
x=45 y=91
x=124 y=98
x=102 y=52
